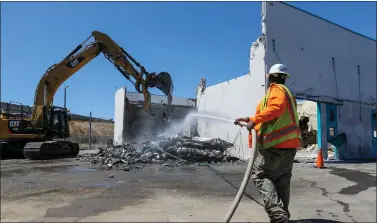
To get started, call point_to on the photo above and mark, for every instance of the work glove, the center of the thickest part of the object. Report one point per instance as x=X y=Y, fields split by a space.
x=250 y=125
x=238 y=120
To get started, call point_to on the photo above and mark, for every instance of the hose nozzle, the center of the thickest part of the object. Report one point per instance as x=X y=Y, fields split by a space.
x=242 y=124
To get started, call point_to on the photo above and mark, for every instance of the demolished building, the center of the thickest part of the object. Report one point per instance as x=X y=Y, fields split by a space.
x=141 y=138
x=329 y=65
x=130 y=122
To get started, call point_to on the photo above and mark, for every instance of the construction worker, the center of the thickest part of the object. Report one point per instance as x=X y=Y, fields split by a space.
x=278 y=137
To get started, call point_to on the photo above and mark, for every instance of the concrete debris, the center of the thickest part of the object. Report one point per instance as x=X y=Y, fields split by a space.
x=168 y=150
x=310 y=153
x=312 y=148
x=308 y=134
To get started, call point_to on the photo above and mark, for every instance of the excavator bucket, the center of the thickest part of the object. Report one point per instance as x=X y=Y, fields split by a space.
x=165 y=83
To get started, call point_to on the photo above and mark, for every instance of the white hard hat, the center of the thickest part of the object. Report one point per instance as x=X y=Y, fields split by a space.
x=278 y=69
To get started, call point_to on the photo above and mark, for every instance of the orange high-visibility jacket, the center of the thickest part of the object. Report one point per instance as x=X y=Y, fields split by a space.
x=276 y=105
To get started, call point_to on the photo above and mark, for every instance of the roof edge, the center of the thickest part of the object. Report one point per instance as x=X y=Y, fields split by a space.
x=328 y=21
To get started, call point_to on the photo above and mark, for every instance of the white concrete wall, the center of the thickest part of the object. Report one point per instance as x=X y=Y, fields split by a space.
x=119 y=112
x=232 y=99
x=306 y=45
x=160 y=99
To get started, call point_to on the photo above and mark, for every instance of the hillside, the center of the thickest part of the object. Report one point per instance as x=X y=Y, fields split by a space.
x=102 y=133
x=98 y=128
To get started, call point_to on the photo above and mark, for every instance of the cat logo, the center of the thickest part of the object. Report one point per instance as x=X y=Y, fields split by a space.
x=14 y=124
x=74 y=63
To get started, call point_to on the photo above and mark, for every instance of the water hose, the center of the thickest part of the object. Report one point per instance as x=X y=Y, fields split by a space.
x=246 y=177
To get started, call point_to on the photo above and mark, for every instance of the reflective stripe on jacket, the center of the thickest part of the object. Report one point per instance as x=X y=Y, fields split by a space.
x=276 y=120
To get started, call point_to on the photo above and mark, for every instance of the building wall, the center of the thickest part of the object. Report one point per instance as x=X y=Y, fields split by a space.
x=327 y=63
x=137 y=98
x=356 y=121
x=307 y=44
x=119 y=113
x=232 y=99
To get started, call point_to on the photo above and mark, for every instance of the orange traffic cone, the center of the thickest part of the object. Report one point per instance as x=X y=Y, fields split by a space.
x=319 y=161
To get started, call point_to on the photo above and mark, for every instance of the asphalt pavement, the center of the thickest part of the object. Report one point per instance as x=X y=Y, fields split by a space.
x=70 y=190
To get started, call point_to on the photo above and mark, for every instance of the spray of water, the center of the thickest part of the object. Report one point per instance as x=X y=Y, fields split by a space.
x=180 y=126
x=195 y=114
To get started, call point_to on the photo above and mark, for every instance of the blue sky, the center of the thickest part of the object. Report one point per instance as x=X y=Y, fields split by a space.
x=188 y=39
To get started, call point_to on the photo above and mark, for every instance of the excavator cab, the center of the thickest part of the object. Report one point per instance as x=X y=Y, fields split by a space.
x=55 y=128
x=56 y=122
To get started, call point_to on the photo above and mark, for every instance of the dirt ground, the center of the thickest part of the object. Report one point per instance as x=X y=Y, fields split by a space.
x=69 y=190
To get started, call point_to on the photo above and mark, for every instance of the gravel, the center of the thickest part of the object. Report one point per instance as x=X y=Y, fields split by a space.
x=166 y=150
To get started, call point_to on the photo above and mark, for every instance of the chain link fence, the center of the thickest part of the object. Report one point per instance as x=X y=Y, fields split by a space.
x=96 y=141
x=84 y=139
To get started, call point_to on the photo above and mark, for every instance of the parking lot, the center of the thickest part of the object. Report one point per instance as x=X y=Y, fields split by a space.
x=69 y=190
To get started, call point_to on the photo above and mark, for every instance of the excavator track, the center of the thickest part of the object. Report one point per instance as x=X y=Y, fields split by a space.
x=12 y=149
x=50 y=150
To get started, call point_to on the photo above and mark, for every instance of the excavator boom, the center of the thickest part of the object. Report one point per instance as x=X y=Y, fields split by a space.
x=57 y=74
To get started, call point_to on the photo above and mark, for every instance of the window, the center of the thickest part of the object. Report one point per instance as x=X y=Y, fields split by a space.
x=56 y=119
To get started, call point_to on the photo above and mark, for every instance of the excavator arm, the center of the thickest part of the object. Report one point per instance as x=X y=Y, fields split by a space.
x=57 y=74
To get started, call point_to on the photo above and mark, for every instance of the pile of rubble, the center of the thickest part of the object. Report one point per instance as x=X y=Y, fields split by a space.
x=167 y=150
x=310 y=153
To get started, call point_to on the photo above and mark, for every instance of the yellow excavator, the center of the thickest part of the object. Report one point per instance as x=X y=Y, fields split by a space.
x=43 y=135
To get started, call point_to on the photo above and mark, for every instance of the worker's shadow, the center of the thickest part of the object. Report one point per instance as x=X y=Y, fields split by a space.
x=314 y=221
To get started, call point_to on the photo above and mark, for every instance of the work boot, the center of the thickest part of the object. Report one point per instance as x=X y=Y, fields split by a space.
x=300 y=221
x=280 y=221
